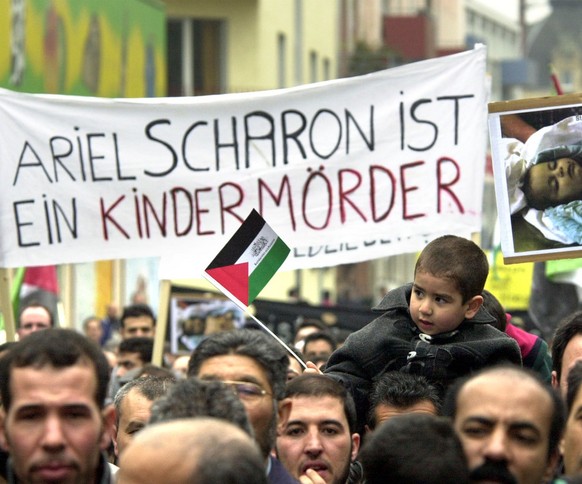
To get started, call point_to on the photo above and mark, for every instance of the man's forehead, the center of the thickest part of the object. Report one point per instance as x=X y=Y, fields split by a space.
x=138 y=320
x=35 y=312
x=572 y=351
x=136 y=395
x=129 y=355
x=27 y=381
x=500 y=377
x=229 y=365
x=317 y=408
x=510 y=393
x=135 y=402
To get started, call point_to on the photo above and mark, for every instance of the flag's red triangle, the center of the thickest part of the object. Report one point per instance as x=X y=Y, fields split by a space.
x=235 y=279
x=42 y=278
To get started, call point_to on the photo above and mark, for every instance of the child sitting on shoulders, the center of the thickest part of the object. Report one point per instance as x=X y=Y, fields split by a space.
x=433 y=327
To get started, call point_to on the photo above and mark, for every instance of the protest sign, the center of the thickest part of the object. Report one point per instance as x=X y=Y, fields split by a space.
x=536 y=146
x=345 y=170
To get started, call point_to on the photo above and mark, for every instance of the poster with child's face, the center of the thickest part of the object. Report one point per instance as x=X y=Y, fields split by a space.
x=536 y=147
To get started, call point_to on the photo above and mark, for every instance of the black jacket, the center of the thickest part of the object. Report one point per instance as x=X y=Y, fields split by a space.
x=393 y=342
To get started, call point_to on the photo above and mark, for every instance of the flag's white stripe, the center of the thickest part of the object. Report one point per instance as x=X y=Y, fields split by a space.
x=253 y=257
x=27 y=289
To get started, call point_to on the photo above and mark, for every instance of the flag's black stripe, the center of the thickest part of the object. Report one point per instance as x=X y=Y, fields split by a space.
x=239 y=242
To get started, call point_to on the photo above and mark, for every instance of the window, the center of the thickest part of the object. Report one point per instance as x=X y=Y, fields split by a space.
x=195 y=57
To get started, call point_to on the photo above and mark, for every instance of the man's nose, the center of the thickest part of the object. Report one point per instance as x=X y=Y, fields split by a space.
x=313 y=445
x=53 y=437
x=496 y=446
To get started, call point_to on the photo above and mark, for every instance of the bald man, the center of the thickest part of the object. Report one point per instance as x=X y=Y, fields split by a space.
x=192 y=451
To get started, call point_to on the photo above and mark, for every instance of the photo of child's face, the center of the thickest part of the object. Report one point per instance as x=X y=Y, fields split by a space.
x=555 y=182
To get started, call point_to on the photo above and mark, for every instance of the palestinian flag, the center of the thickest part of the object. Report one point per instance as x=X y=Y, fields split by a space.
x=36 y=284
x=249 y=260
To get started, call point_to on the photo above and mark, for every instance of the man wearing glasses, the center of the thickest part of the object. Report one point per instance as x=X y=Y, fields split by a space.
x=256 y=367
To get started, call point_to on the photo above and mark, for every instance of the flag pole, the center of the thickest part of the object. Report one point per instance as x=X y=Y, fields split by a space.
x=161 y=322
x=279 y=340
x=239 y=304
x=6 y=305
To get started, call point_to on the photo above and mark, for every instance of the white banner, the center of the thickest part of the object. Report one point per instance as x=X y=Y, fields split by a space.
x=344 y=170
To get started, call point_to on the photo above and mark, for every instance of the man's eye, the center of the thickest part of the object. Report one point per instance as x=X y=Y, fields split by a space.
x=294 y=431
x=33 y=415
x=134 y=430
x=248 y=390
x=526 y=438
x=76 y=415
x=330 y=431
x=475 y=431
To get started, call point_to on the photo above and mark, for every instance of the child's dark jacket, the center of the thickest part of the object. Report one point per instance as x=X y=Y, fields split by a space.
x=393 y=342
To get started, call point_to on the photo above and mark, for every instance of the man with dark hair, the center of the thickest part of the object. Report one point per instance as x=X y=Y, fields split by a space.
x=305 y=328
x=137 y=320
x=195 y=450
x=252 y=358
x=566 y=350
x=395 y=393
x=318 y=440
x=201 y=398
x=132 y=355
x=412 y=449
x=133 y=403
x=34 y=317
x=510 y=423
x=319 y=345
x=572 y=442
x=54 y=425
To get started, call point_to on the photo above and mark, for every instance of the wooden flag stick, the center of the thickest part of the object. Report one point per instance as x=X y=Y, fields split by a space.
x=6 y=305
x=161 y=322
x=279 y=340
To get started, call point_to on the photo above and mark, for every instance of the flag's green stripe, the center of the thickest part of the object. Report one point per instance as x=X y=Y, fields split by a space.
x=239 y=242
x=15 y=292
x=267 y=268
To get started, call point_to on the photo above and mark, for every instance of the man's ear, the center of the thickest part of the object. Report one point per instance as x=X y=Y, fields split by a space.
x=555 y=381
x=114 y=440
x=283 y=414
x=108 y=416
x=552 y=465
x=355 y=446
x=473 y=306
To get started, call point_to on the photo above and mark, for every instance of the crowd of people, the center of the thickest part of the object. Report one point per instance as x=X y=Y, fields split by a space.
x=439 y=388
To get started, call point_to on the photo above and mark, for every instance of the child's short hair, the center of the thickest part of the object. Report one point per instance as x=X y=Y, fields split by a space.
x=458 y=259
